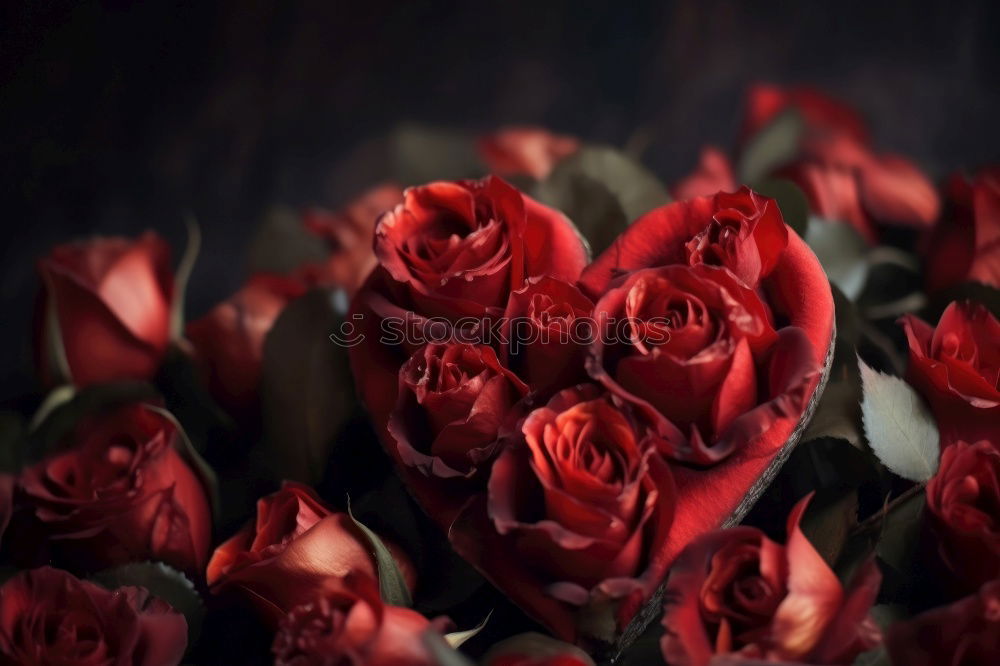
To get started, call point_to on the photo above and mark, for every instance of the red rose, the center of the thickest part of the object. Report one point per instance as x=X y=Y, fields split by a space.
x=453 y=250
x=111 y=299
x=742 y=231
x=121 y=493
x=49 y=617
x=842 y=177
x=453 y=399
x=955 y=366
x=963 y=499
x=531 y=151
x=966 y=632
x=295 y=546
x=965 y=246
x=714 y=174
x=579 y=509
x=545 y=333
x=229 y=341
x=348 y=234
x=535 y=650
x=349 y=624
x=736 y=591
x=689 y=355
x=726 y=317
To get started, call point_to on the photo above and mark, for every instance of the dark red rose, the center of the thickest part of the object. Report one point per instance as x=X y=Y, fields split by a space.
x=122 y=492
x=742 y=231
x=967 y=632
x=736 y=591
x=50 y=618
x=111 y=300
x=843 y=178
x=579 y=509
x=452 y=250
x=545 y=334
x=822 y=114
x=535 y=650
x=461 y=247
x=453 y=399
x=348 y=234
x=228 y=342
x=689 y=346
x=531 y=151
x=714 y=174
x=295 y=546
x=349 y=624
x=956 y=367
x=965 y=245
x=963 y=500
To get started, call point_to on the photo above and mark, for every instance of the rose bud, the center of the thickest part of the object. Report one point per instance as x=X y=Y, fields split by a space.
x=963 y=246
x=455 y=398
x=967 y=632
x=546 y=329
x=686 y=351
x=578 y=511
x=714 y=174
x=228 y=342
x=530 y=151
x=736 y=591
x=49 y=617
x=954 y=366
x=454 y=250
x=348 y=235
x=296 y=545
x=106 y=305
x=120 y=492
x=535 y=650
x=963 y=501
x=350 y=624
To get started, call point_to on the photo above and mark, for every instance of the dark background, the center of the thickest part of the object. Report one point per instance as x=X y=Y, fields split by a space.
x=119 y=116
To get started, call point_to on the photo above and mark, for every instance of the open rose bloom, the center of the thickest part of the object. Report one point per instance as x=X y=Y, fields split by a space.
x=623 y=408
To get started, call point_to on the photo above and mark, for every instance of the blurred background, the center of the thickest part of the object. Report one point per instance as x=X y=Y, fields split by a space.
x=121 y=116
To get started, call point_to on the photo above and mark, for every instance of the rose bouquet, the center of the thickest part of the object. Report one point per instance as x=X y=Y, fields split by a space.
x=520 y=403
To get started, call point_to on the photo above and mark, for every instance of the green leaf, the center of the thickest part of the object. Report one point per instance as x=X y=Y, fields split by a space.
x=898 y=425
x=456 y=638
x=442 y=653
x=538 y=646
x=164 y=582
x=791 y=200
x=900 y=534
x=306 y=388
x=12 y=429
x=602 y=191
x=773 y=146
x=842 y=252
x=191 y=456
x=829 y=520
x=56 y=397
x=422 y=154
x=391 y=583
x=182 y=276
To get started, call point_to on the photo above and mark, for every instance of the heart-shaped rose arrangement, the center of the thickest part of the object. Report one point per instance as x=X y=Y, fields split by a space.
x=571 y=427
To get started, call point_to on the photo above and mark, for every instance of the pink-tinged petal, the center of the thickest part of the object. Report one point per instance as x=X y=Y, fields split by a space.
x=713 y=174
x=814 y=594
x=532 y=151
x=823 y=115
